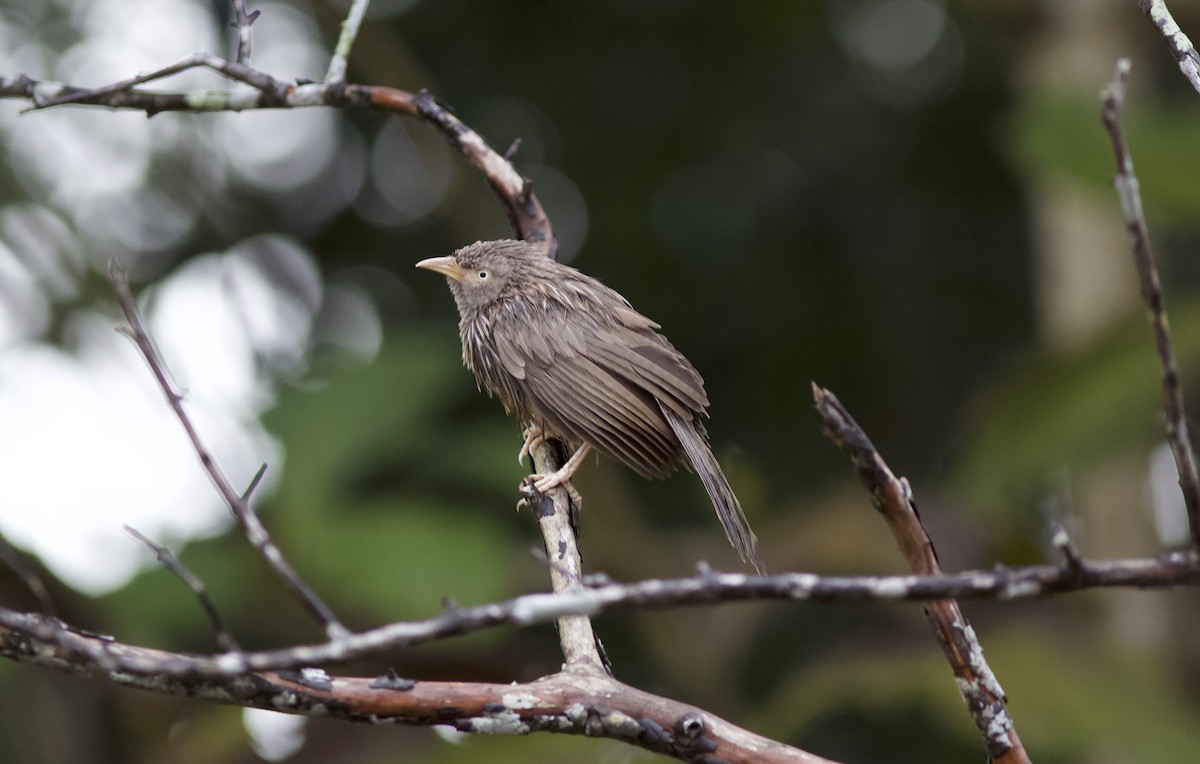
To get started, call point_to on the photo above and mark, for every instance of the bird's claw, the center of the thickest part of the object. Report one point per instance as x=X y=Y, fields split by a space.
x=533 y=437
x=534 y=485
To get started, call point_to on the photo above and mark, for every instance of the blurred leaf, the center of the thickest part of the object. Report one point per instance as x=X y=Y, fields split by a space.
x=1060 y=131
x=386 y=489
x=1069 y=700
x=1065 y=411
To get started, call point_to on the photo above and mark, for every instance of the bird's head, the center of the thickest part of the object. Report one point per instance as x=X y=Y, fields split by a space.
x=479 y=273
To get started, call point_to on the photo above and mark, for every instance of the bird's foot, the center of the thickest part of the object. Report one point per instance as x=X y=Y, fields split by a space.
x=542 y=483
x=560 y=478
x=534 y=437
x=557 y=479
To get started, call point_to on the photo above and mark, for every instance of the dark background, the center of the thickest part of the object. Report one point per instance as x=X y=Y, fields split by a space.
x=795 y=196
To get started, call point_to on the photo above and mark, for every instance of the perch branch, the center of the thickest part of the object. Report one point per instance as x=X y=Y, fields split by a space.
x=893 y=498
x=1126 y=183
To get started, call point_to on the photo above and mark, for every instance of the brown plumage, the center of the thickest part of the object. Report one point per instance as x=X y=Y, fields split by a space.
x=572 y=357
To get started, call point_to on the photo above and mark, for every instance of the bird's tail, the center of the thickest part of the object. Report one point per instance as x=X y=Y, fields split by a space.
x=729 y=509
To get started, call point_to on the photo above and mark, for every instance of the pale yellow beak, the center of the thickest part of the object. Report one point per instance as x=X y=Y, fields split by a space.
x=447 y=266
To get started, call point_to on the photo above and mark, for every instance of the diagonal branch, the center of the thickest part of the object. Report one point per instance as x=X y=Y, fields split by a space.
x=1126 y=183
x=1181 y=47
x=11 y=559
x=893 y=498
x=238 y=503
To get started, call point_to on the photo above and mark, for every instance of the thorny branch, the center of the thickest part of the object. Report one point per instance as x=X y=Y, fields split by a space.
x=1126 y=183
x=705 y=588
x=239 y=503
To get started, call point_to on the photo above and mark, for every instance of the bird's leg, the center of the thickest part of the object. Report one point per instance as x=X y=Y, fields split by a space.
x=534 y=437
x=562 y=476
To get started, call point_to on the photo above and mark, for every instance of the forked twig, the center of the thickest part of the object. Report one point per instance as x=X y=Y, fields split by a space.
x=252 y=527
x=241 y=22
x=172 y=563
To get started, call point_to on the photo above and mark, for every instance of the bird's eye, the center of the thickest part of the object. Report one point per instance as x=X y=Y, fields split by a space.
x=483 y=275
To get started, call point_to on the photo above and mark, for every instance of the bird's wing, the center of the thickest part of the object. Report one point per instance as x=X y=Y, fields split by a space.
x=580 y=382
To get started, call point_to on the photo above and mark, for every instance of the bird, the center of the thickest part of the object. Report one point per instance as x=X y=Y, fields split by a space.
x=572 y=359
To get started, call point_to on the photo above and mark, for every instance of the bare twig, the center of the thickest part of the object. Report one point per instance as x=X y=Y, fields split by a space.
x=1126 y=183
x=1062 y=542
x=172 y=563
x=272 y=89
x=241 y=22
x=252 y=527
x=1181 y=47
x=341 y=52
x=893 y=498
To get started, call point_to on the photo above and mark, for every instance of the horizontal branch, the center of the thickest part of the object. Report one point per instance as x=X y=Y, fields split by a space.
x=569 y=702
x=1172 y=570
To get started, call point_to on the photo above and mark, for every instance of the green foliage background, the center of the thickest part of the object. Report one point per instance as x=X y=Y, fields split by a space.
x=787 y=215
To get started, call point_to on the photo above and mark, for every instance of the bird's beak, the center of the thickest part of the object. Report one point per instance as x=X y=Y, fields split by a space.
x=447 y=266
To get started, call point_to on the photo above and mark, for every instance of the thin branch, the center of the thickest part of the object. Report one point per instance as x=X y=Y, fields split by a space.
x=241 y=22
x=252 y=527
x=1181 y=47
x=224 y=639
x=341 y=52
x=1126 y=183
x=893 y=498
x=1062 y=542
x=275 y=90
x=706 y=588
